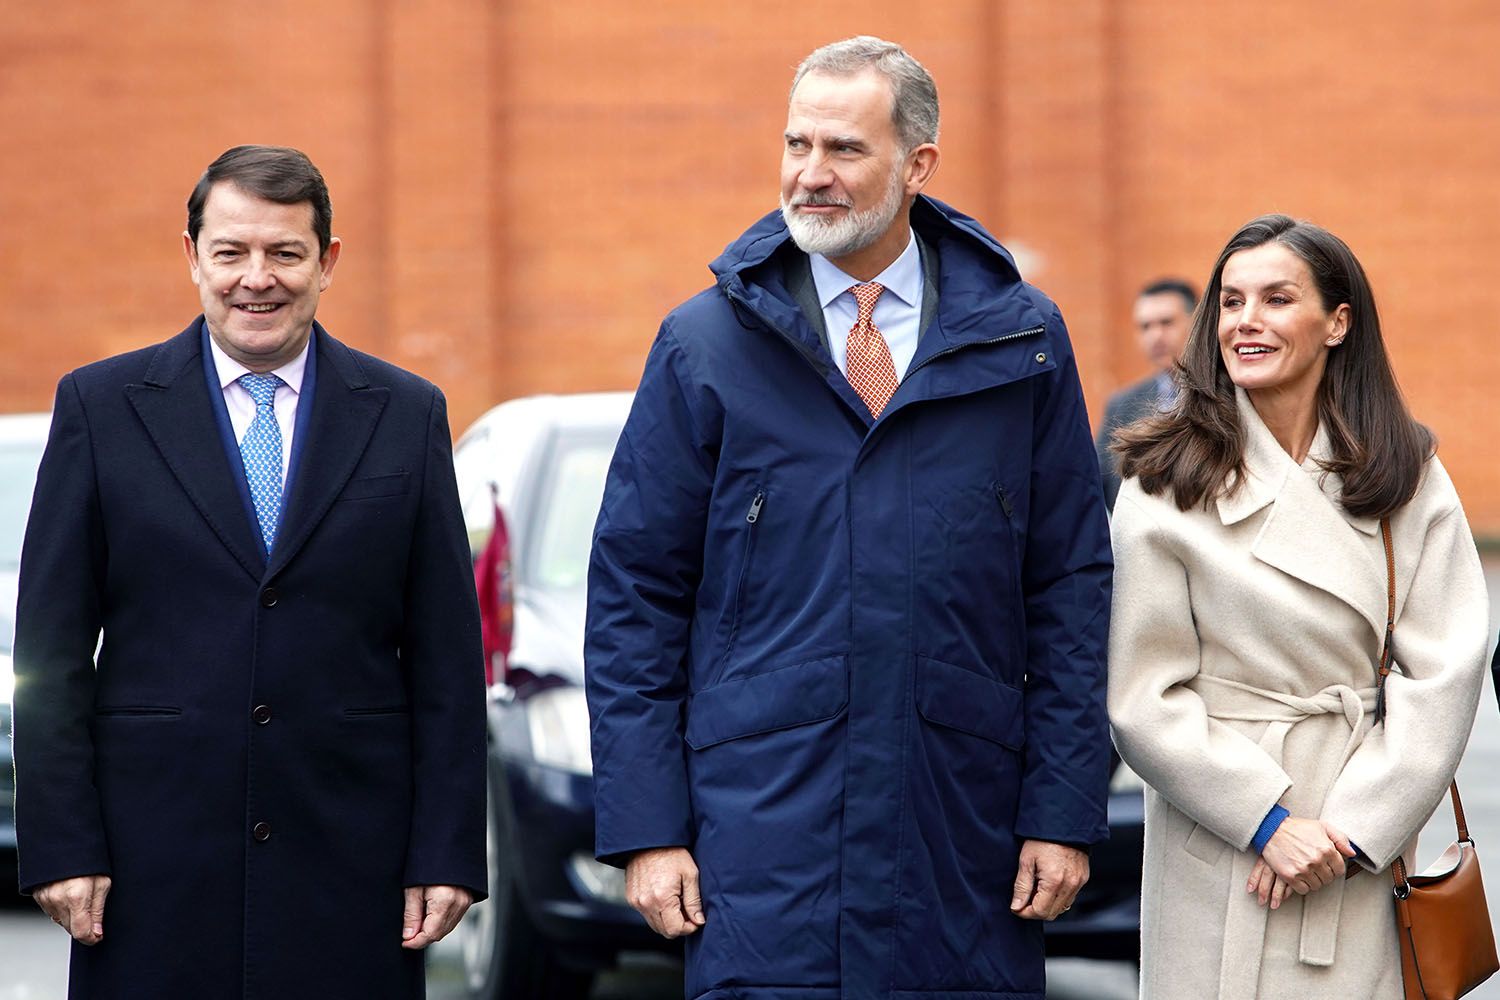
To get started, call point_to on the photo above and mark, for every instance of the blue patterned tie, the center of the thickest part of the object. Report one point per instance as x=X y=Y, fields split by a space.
x=261 y=452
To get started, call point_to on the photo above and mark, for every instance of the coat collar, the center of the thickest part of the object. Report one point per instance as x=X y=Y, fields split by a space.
x=345 y=410
x=1308 y=534
x=980 y=300
x=940 y=225
x=173 y=403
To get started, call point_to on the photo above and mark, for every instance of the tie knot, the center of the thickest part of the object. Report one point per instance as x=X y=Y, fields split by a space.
x=864 y=297
x=262 y=388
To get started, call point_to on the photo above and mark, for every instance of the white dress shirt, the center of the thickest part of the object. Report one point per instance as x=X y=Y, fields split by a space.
x=898 y=311
x=242 y=407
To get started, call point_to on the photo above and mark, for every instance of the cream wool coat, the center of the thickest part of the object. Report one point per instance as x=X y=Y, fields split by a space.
x=1243 y=653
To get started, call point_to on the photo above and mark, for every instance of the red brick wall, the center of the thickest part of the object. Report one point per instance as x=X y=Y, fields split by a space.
x=525 y=187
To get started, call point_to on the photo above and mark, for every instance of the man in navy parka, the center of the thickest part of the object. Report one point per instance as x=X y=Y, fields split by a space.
x=849 y=593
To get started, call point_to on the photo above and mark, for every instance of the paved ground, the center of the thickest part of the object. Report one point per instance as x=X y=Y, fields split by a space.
x=33 y=953
x=33 y=966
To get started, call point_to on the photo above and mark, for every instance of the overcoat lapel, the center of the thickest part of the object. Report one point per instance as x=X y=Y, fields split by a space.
x=345 y=410
x=174 y=405
x=1307 y=534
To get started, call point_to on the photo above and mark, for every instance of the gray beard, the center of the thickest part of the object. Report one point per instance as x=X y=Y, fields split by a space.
x=851 y=234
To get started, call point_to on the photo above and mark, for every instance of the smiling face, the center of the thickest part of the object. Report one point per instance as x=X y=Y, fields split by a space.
x=1275 y=331
x=846 y=181
x=259 y=275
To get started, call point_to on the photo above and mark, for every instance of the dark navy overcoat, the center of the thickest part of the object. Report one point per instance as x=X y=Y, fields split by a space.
x=852 y=664
x=269 y=750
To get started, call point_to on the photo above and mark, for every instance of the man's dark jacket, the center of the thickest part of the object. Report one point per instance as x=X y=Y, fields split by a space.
x=1125 y=407
x=267 y=752
x=852 y=664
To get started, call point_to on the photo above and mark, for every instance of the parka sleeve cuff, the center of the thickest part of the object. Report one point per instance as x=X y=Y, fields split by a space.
x=619 y=836
x=1059 y=813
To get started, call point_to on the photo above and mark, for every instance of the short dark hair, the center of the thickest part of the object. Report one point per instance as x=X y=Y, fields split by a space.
x=1196 y=450
x=1172 y=286
x=275 y=173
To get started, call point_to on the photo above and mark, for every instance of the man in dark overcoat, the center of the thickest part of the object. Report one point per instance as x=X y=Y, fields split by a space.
x=249 y=730
x=849 y=592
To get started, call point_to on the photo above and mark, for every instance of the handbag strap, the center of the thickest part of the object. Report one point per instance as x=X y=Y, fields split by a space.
x=1390 y=617
x=1398 y=867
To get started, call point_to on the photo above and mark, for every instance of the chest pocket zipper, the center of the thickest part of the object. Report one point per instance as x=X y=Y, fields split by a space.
x=1018 y=616
x=1005 y=504
x=752 y=520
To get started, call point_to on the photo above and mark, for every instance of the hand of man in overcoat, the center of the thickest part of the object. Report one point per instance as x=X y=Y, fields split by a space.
x=76 y=905
x=1048 y=880
x=662 y=884
x=431 y=912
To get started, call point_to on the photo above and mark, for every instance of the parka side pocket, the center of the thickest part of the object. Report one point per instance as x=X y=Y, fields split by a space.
x=792 y=696
x=972 y=703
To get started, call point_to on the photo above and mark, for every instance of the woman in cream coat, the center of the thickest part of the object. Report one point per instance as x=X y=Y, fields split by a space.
x=1249 y=614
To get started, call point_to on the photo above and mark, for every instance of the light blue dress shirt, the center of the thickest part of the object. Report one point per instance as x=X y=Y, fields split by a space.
x=898 y=311
x=242 y=407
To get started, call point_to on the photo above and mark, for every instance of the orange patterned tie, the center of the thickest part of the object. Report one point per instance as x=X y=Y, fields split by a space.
x=871 y=371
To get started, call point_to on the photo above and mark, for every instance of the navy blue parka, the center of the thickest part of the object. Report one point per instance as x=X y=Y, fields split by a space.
x=850 y=663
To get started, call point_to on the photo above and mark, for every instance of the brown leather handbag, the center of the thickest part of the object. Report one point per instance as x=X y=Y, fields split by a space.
x=1442 y=922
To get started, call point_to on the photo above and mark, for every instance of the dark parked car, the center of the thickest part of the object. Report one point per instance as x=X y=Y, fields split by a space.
x=555 y=915
x=22 y=438
x=1105 y=921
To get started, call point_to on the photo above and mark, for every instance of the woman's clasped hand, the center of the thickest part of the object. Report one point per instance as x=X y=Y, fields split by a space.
x=1302 y=856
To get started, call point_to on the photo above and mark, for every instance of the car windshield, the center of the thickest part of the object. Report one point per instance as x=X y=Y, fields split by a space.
x=570 y=504
x=18 y=464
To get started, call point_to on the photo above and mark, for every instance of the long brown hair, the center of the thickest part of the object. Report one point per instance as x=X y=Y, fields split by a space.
x=1197 y=449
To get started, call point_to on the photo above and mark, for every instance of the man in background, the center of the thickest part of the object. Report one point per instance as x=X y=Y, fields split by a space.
x=1163 y=315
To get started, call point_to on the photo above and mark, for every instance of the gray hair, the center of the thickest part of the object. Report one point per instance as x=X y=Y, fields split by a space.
x=914 y=99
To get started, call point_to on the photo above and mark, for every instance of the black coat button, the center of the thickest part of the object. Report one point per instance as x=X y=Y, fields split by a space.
x=268 y=597
x=262 y=831
x=261 y=714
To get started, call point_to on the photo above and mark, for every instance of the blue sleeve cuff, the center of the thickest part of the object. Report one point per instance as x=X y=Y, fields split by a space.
x=1268 y=826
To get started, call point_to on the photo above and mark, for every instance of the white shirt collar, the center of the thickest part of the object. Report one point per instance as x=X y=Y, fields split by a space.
x=229 y=369
x=903 y=278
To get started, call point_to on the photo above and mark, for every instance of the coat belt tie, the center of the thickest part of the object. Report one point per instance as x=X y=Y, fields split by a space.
x=1245 y=920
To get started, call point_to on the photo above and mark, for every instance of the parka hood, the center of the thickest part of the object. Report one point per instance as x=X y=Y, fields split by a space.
x=981 y=292
x=936 y=222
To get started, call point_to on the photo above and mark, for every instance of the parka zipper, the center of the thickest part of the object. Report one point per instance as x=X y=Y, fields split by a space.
x=1017 y=335
x=752 y=518
x=824 y=369
x=1005 y=504
x=1008 y=507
